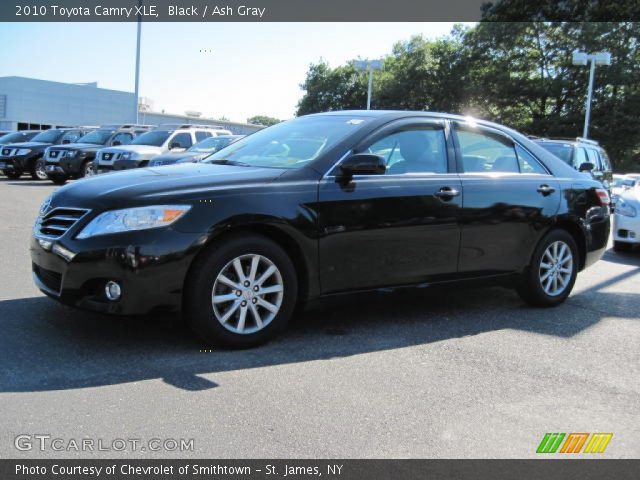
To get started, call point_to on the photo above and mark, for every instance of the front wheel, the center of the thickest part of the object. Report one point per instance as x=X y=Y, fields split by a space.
x=58 y=179
x=12 y=175
x=549 y=279
x=39 y=171
x=241 y=292
x=88 y=170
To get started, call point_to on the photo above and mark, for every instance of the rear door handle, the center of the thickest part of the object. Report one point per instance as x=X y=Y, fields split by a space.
x=447 y=193
x=546 y=190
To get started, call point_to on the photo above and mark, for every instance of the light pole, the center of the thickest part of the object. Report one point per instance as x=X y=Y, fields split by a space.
x=137 y=85
x=370 y=66
x=582 y=58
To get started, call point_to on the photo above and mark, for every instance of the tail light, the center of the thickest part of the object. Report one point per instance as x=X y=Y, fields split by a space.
x=603 y=196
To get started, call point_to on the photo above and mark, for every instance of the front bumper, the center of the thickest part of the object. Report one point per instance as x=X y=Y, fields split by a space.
x=15 y=163
x=626 y=229
x=118 y=165
x=150 y=266
x=65 y=166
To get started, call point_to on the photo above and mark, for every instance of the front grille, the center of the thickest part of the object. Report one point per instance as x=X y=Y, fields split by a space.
x=50 y=279
x=58 y=221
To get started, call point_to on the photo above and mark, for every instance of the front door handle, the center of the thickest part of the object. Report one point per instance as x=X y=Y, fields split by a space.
x=447 y=193
x=546 y=190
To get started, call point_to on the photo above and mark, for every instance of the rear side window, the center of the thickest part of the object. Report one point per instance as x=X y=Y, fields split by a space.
x=484 y=152
x=606 y=164
x=528 y=163
x=581 y=157
x=200 y=135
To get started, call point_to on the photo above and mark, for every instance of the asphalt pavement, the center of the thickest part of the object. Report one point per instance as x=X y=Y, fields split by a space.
x=443 y=373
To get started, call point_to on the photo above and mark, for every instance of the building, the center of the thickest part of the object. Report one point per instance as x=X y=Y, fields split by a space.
x=28 y=103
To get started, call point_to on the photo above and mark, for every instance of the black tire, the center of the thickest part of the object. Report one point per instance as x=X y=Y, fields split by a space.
x=38 y=171
x=530 y=286
x=200 y=285
x=87 y=169
x=58 y=179
x=622 y=246
x=13 y=175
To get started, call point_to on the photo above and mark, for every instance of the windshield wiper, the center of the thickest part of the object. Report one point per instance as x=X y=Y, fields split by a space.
x=225 y=161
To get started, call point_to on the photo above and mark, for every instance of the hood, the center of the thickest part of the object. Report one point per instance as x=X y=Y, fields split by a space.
x=147 y=186
x=78 y=146
x=139 y=149
x=175 y=156
x=27 y=145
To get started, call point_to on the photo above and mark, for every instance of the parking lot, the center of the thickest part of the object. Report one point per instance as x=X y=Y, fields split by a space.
x=446 y=373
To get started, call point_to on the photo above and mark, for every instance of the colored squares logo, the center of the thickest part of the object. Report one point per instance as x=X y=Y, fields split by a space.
x=574 y=442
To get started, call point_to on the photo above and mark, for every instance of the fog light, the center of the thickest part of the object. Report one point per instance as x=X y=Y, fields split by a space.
x=112 y=290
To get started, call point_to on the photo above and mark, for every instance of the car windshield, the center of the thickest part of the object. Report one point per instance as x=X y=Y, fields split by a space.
x=561 y=150
x=290 y=144
x=48 y=136
x=13 y=137
x=155 y=138
x=211 y=144
x=97 y=137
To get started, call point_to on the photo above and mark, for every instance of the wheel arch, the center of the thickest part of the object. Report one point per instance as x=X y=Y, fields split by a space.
x=274 y=233
x=578 y=235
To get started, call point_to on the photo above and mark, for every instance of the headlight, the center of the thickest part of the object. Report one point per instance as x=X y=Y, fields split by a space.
x=23 y=151
x=126 y=156
x=624 y=209
x=71 y=153
x=129 y=219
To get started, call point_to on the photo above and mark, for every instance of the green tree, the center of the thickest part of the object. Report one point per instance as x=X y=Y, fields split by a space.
x=263 y=120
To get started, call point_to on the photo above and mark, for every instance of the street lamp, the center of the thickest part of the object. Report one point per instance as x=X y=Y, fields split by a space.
x=369 y=65
x=582 y=58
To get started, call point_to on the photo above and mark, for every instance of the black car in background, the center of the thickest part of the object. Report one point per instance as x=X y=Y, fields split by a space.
x=197 y=152
x=582 y=154
x=27 y=157
x=17 y=137
x=75 y=160
x=321 y=205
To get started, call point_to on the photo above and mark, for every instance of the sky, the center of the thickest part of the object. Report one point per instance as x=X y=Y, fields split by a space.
x=232 y=70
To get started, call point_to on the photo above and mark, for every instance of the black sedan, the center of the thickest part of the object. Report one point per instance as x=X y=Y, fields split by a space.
x=197 y=152
x=317 y=206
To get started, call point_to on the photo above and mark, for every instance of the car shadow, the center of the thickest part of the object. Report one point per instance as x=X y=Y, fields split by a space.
x=47 y=346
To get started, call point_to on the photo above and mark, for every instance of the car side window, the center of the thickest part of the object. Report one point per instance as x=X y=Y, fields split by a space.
x=606 y=163
x=416 y=150
x=486 y=152
x=593 y=157
x=182 y=139
x=581 y=157
x=201 y=135
x=528 y=163
x=122 y=139
x=71 y=136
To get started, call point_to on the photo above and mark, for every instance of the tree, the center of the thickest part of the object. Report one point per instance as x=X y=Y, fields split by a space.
x=263 y=120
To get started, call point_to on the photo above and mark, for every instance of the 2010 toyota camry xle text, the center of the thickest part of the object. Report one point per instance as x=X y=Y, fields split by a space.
x=321 y=205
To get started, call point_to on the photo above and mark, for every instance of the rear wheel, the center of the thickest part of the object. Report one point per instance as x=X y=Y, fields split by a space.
x=241 y=292
x=39 y=171
x=550 y=278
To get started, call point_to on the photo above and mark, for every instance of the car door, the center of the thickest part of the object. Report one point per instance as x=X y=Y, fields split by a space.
x=396 y=228
x=509 y=199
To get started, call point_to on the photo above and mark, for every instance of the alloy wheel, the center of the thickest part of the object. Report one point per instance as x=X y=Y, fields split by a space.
x=556 y=268
x=247 y=294
x=41 y=173
x=88 y=169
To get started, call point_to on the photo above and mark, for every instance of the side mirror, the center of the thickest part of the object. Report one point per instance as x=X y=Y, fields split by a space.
x=174 y=146
x=363 y=164
x=65 y=142
x=586 y=167
x=116 y=143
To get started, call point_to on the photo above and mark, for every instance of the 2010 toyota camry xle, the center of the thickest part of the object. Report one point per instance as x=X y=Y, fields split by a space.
x=321 y=205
